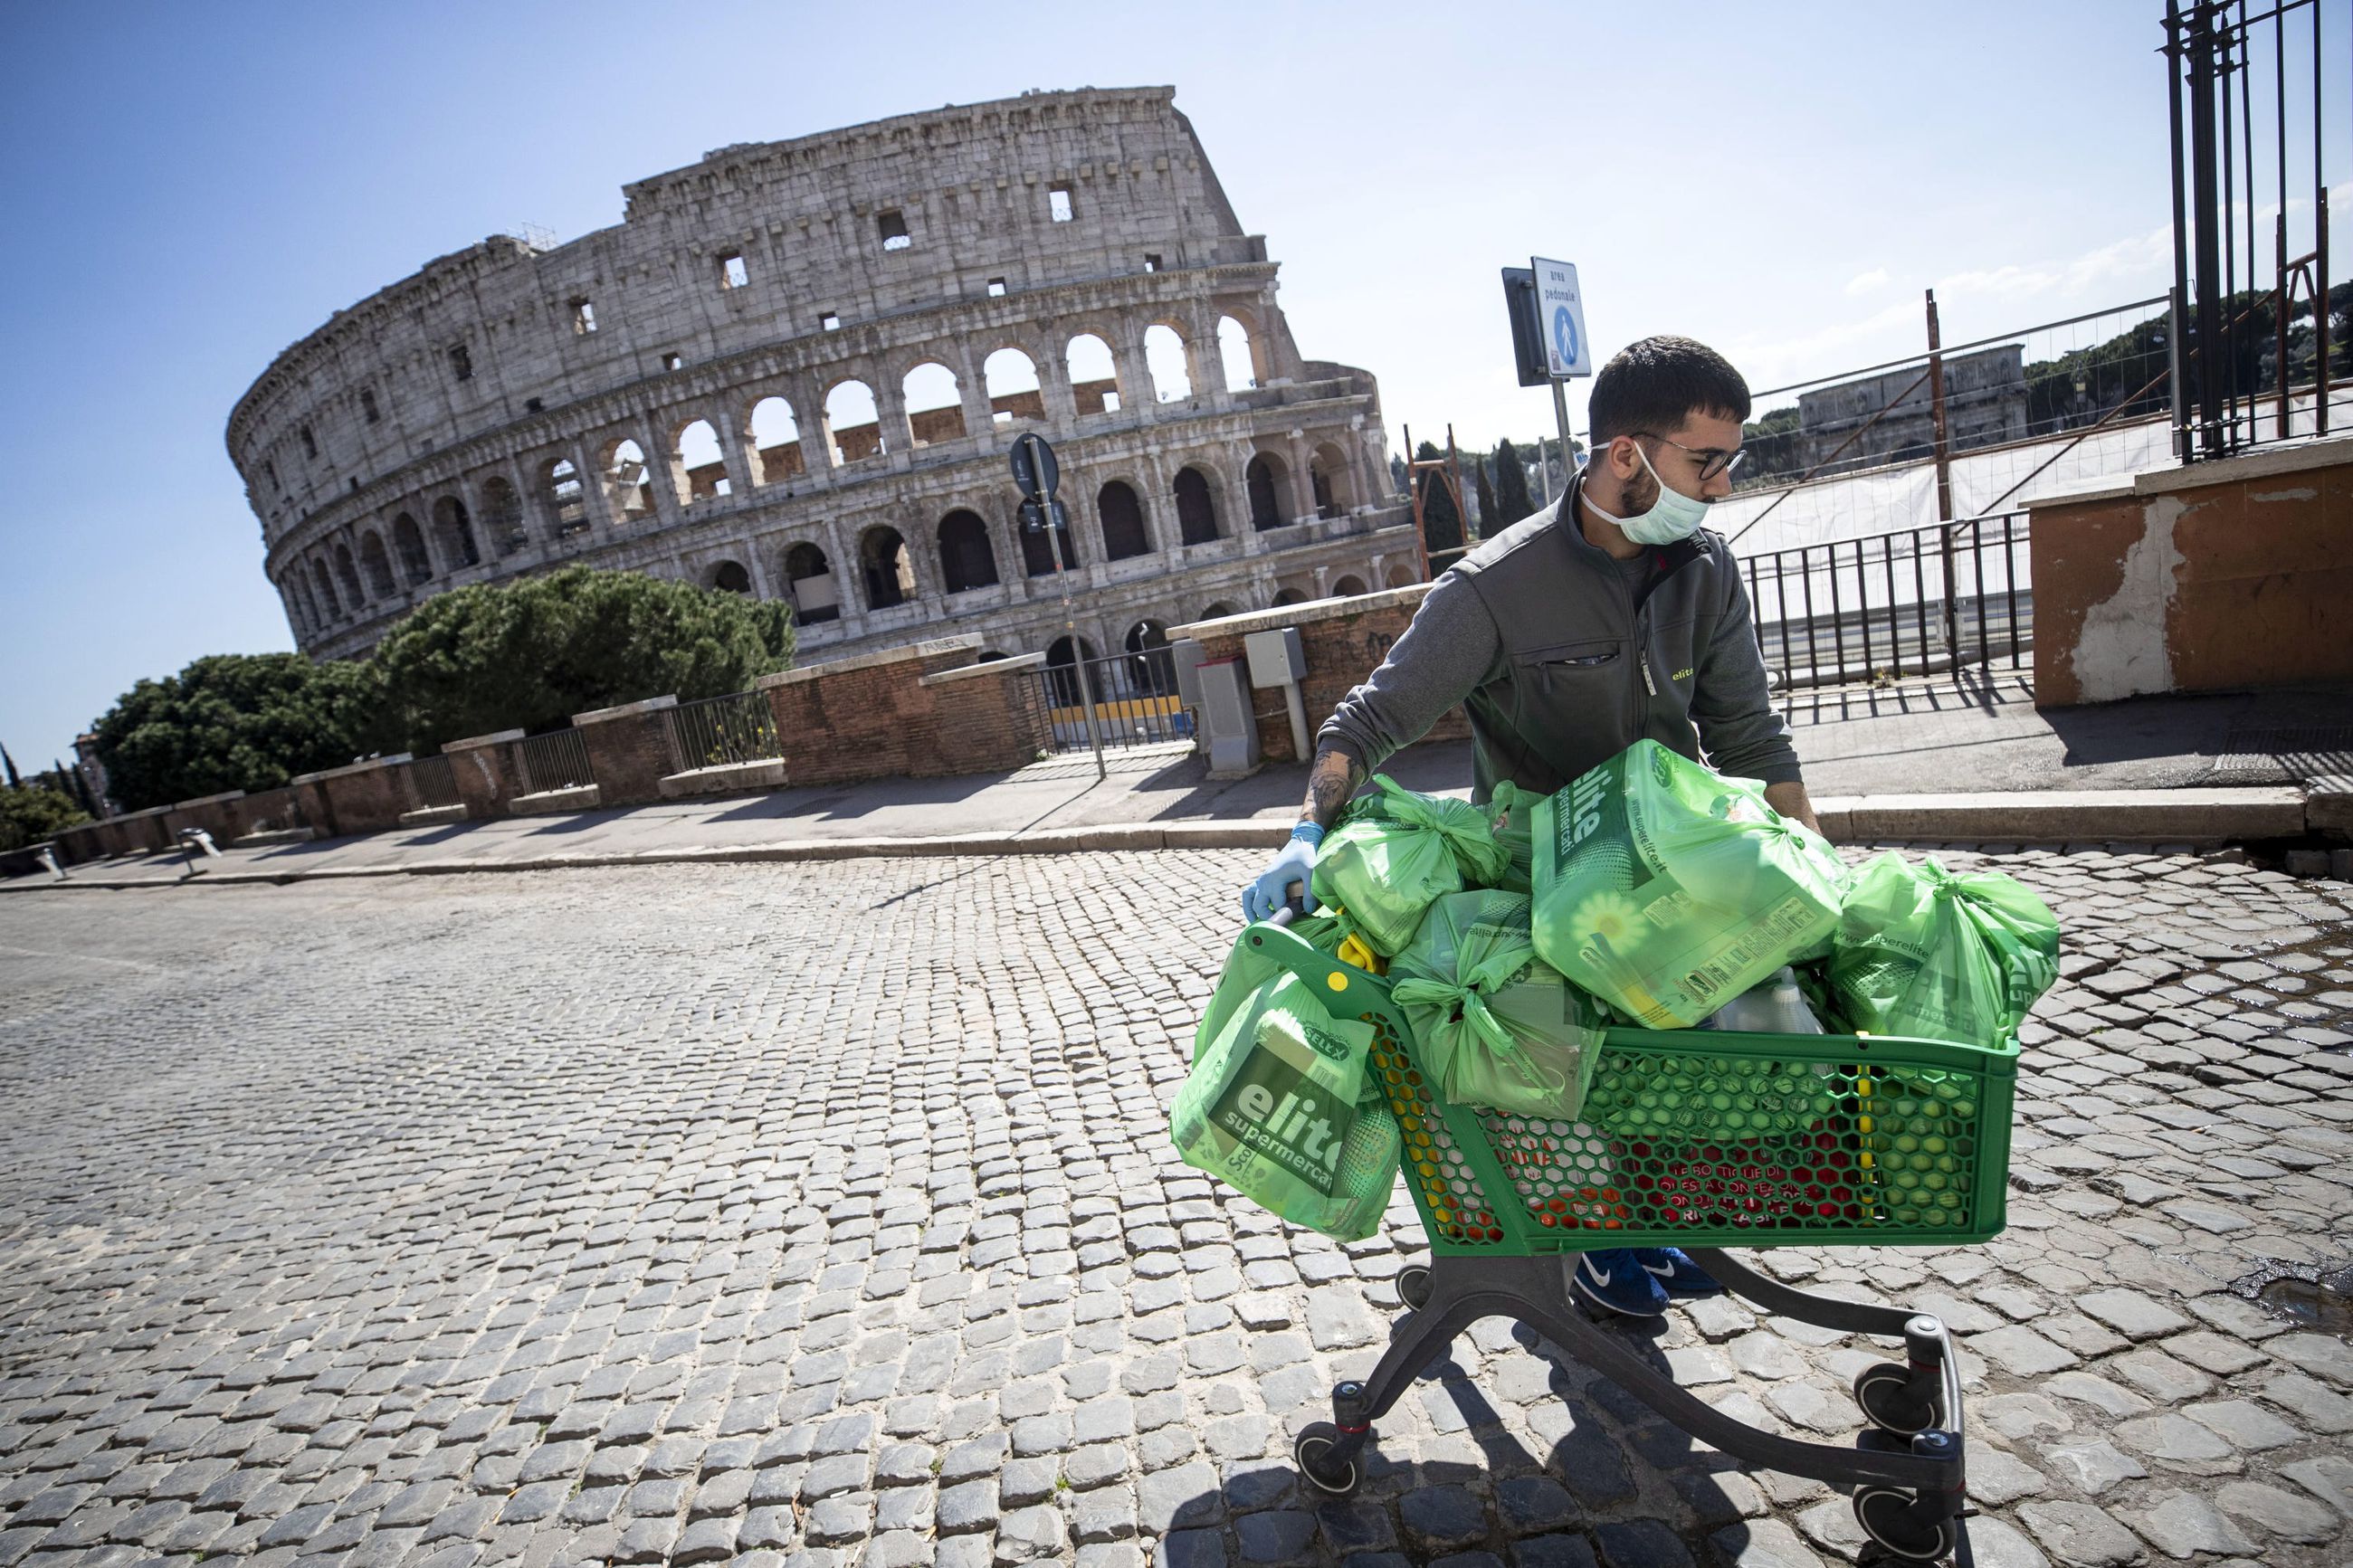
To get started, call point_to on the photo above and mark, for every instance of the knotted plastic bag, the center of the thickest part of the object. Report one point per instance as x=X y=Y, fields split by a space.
x=1498 y=1027
x=1397 y=852
x=1510 y=816
x=1922 y=951
x=1279 y=1105
x=1667 y=889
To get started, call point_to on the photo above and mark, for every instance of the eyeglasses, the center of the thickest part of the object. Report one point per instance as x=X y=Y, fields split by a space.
x=1712 y=462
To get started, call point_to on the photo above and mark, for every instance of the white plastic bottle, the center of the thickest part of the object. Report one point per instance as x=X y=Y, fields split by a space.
x=1776 y=1007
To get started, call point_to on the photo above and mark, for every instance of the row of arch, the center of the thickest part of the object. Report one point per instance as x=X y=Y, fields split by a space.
x=342 y=579
x=884 y=573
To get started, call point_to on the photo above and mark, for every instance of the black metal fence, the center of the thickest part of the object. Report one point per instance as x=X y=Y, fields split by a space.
x=558 y=760
x=432 y=782
x=1916 y=602
x=1136 y=700
x=2246 y=117
x=714 y=731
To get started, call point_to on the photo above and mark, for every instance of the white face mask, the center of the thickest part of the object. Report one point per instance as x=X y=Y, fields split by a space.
x=1673 y=516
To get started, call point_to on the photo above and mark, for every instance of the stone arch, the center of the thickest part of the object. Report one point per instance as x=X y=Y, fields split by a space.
x=1402 y=576
x=628 y=488
x=326 y=587
x=853 y=428
x=1265 y=478
x=1062 y=681
x=728 y=577
x=933 y=400
x=561 y=497
x=1094 y=373
x=376 y=565
x=1149 y=669
x=776 y=442
x=1289 y=596
x=1348 y=588
x=1197 y=505
x=455 y=528
x=967 y=559
x=1216 y=612
x=1010 y=377
x=310 y=599
x=416 y=565
x=809 y=584
x=1038 y=550
x=1168 y=358
x=503 y=517
x=1332 y=481
x=347 y=576
x=1236 y=347
x=701 y=468
x=885 y=568
x=1121 y=516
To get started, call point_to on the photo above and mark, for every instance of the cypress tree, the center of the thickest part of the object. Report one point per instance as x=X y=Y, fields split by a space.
x=1491 y=521
x=1441 y=519
x=1512 y=483
x=10 y=763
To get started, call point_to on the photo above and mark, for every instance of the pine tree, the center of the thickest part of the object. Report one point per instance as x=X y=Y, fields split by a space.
x=15 y=782
x=1512 y=483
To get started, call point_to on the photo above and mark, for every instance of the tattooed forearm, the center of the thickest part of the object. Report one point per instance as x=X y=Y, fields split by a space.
x=1330 y=782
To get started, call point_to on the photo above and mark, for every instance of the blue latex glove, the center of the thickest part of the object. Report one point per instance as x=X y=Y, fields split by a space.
x=1295 y=864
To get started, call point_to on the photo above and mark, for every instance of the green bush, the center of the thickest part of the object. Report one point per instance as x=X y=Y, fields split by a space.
x=30 y=814
x=237 y=720
x=530 y=654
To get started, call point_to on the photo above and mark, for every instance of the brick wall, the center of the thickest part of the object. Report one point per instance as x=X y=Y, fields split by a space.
x=1344 y=641
x=364 y=797
x=921 y=711
x=484 y=769
x=629 y=750
x=2228 y=576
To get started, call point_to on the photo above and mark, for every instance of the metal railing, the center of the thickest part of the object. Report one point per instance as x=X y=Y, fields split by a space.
x=557 y=760
x=432 y=782
x=1915 y=602
x=2238 y=85
x=1135 y=698
x=712 y=732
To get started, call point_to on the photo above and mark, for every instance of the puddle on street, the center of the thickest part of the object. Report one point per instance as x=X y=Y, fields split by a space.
x=2310 y=1302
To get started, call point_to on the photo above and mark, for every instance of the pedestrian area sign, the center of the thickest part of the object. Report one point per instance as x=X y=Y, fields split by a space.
x=1561 y=309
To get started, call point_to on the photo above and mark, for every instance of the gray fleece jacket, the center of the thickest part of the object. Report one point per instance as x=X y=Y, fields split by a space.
x=1563 y=665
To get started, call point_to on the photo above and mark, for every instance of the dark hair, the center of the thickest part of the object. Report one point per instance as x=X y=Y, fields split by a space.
x=1659 y=383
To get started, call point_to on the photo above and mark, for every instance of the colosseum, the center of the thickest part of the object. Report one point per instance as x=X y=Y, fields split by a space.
x=794 y=369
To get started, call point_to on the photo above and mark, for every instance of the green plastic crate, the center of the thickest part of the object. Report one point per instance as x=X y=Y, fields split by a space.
x=1695 y=1138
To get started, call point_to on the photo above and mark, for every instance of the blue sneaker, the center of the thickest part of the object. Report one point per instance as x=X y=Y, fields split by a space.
x=1677 y=1275
x=1615 y=1280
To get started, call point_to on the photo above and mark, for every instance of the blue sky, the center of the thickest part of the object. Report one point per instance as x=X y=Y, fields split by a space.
x=190 y=188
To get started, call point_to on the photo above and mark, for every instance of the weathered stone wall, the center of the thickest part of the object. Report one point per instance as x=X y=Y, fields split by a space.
x=630 y=749
x=916 y=713
x=2217 y=576
x=466 y=424
x=1343 y=641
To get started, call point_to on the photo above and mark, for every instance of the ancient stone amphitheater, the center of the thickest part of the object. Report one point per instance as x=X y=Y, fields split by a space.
x=793 y=370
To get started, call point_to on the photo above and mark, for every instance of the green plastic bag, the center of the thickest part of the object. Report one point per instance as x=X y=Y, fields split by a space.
x=1510 y=816
x=1499 y=1027
x=1279 y=1105
x=1944 y=957
x=1668 y=890
x=1397 y=852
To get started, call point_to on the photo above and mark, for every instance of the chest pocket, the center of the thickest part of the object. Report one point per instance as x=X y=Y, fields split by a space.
x=1568 y=660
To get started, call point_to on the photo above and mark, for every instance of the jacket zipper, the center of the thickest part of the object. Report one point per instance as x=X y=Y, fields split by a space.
x=1648 y=685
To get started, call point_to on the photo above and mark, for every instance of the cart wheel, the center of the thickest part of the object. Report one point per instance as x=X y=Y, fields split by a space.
x=1885 y=1391
x=1312 y=1451
x=1886 y=1515
x=1413 y=1286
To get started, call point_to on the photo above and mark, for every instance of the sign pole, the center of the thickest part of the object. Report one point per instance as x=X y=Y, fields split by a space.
x=1560 y=417
x=1560 y=323
x=1038 y=476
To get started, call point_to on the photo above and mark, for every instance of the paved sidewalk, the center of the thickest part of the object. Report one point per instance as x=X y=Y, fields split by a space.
x=1929 y=736
x=825 y=1215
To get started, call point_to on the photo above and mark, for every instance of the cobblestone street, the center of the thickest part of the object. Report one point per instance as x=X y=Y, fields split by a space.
x=826 y=1214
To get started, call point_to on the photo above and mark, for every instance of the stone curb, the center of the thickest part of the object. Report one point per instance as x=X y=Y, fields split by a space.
x=2199 y=817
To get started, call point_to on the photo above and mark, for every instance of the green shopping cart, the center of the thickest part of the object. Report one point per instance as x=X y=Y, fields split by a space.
x=1698 y=1139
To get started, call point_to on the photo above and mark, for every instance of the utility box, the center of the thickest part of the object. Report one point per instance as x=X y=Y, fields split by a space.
x=1275 y=657
x=1186 y=655
x=1229 y=728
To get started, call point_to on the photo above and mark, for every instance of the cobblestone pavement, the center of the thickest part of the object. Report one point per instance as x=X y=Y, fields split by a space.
x=826 y=1214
